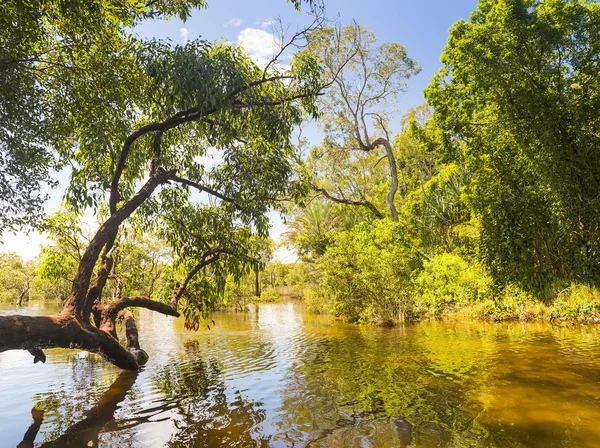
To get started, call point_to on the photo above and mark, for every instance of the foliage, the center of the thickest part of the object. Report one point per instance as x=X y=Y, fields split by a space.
x=15 y=277
x=450 y=280
x=267 y=295
x=49 y=49
x=367 y=79
x=516 y=102
x=366 y=273
x=310 y=229
x=239 y=294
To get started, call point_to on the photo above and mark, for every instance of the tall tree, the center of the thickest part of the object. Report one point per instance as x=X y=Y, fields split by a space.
x=140 y=157
x=517 y=102
x=367 y=81
x=48 y=50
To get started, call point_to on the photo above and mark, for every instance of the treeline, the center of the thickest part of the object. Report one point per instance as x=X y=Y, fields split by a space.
x=486 y=202
x=144 y=266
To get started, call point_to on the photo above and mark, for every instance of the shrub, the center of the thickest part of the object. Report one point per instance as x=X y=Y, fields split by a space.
x=366 y=273
x=448 y=279
x=268 y=295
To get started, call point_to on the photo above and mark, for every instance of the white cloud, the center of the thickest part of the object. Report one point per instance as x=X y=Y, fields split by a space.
x=267 y=23
x=235 y=22
x=183 y=34
x=259 y=45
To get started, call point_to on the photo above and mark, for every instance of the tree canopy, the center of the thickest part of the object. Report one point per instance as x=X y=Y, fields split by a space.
x=517 y=101
x=134 y=119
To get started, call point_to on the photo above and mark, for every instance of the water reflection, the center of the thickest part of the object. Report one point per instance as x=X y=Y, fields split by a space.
x=279 y=377
x=86 y=432
x=205 y=414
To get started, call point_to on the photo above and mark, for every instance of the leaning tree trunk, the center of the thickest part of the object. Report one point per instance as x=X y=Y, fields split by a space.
x=71 y=328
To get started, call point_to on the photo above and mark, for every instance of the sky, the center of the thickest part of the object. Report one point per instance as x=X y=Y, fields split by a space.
x=421 y=26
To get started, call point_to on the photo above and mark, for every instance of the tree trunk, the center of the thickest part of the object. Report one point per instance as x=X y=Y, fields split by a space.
x=256 y=283
x=24 y=292
x=391 y=195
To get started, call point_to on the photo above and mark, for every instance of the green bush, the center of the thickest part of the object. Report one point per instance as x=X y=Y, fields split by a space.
x=268 y=295
x=449 y=279
x=577 y=302
x=366 y=273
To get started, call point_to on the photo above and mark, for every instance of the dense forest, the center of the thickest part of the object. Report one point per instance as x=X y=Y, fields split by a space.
x=483 y=202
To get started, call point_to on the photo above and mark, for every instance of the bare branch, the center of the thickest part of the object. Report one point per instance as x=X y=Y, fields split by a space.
x=363 y=203
x=111 y=311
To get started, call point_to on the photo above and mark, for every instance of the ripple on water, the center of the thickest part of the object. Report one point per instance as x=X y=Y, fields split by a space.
x=278 y=377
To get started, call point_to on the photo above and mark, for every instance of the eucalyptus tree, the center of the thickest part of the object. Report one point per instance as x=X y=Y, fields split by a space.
x=517 y=101
x=367 y=80
x=47 y=51
x=48 y=48
x=138 y=151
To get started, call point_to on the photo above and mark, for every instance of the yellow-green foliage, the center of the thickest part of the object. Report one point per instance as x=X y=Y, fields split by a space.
x=366 y=273
x=238 y=294
x=578 y=302
x=315 y=299
x=449 y=279
x=267 y=295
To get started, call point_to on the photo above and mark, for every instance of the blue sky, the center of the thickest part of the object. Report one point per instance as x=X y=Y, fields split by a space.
x=421 y=26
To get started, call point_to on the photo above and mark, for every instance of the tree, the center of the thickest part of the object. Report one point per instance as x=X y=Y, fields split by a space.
x=367 y=81
x=141 y=154
x=48 y=51
x=16 y=276
x=517 y=103
x=310 y=229
x=366 y=273
x=60 y=258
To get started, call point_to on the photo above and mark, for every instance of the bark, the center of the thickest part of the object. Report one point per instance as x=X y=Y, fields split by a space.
x=35 y=333
x=256 y=283
x=363 y=203
x=391 y=195
x=77 y=303
x=110 y=312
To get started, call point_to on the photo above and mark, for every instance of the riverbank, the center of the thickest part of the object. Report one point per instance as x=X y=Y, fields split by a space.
x=574 y=304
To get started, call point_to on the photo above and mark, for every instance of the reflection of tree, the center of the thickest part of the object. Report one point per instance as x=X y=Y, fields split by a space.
x=193 y=396
x=86 y=431
x=207 y=415
x=365 y=388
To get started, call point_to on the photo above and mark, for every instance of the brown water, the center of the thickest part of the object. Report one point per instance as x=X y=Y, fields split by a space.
x=278 y=376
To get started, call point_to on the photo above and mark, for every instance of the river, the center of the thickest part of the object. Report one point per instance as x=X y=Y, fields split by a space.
x=281 y=377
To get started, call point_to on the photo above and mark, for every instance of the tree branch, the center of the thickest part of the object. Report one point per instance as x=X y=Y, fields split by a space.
x=363 y=203
x=205 y=189
x=111 y=311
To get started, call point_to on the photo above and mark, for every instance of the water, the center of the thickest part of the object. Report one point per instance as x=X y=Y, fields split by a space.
x=281 y=377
